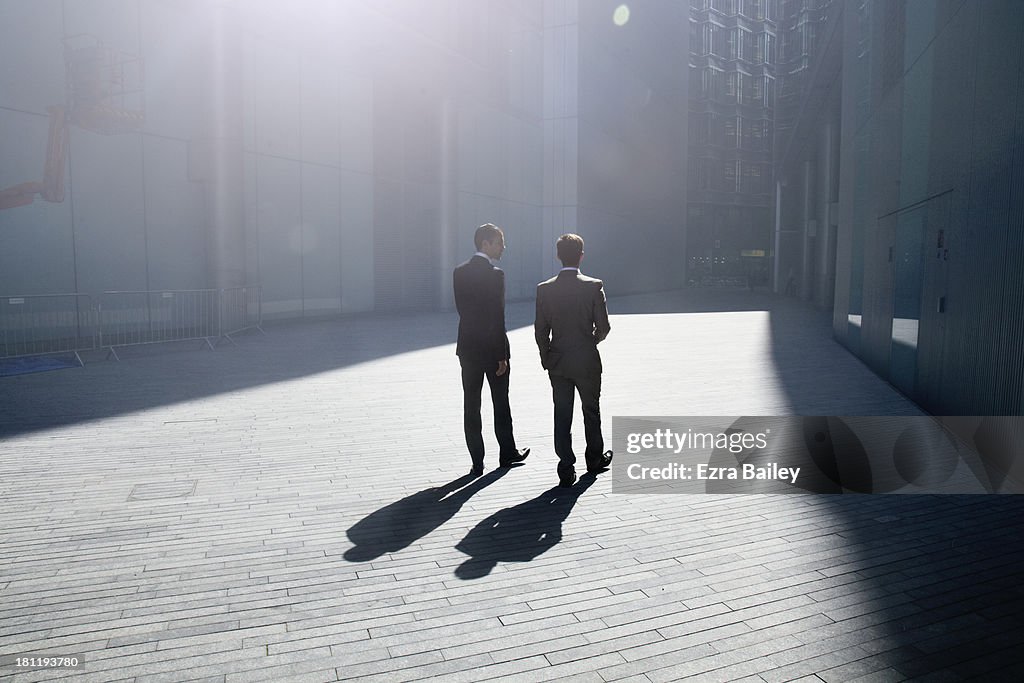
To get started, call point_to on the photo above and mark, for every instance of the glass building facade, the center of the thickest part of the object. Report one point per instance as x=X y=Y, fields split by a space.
x=733 y=72
x=340 y=156
x=900 y=202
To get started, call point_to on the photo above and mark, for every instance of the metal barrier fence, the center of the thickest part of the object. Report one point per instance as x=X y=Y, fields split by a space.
x=241 y=308
x=39 y=324
x=147 y=317
x=64 y=323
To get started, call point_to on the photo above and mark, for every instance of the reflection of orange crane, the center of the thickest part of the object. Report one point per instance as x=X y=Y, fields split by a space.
x=100 y=82
x=52 y=185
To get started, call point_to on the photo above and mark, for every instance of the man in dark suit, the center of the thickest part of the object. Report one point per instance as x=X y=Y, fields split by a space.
x=483 y=348
x=572 y=319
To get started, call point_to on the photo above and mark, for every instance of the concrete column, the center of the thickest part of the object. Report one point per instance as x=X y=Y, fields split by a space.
x=778 y=236
x=448 y=228
x=220 y=149
x=809 y=232
x=824 y=285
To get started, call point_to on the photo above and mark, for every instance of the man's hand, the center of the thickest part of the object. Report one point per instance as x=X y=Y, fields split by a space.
x=502 y=367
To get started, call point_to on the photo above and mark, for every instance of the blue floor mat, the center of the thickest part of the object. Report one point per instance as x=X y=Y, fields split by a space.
x=22 y=366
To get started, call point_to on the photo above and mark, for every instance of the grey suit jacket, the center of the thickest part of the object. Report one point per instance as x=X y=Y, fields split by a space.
x=572 y=318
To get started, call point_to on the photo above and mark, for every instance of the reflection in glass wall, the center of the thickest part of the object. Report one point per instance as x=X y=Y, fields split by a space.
x=906 y=305
x=855 y=310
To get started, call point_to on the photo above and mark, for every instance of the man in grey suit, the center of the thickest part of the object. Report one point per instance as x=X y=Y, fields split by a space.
x=572 y=319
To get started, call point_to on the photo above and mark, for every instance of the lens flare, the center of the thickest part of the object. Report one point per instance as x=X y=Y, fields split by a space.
x=621 y=15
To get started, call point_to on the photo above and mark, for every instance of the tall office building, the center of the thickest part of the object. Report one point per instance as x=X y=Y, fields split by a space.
x=340 y=155
x=732 y=103
x=900 y=203
x=800 y=23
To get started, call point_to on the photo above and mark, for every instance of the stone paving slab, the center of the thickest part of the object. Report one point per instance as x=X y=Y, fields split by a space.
x=293 y=508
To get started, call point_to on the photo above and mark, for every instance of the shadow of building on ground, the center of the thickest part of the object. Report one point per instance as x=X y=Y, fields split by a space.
x=398 y=525
x=520 y=533
x=153 y=375
x=943 y=595
x=157 y=375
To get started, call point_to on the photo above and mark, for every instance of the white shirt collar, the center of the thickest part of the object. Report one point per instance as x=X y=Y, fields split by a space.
x=489 y=260
x=576 y=268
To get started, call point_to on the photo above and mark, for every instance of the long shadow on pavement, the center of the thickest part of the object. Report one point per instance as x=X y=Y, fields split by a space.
x=398 y=525
x=158 y=376
x=153 y=375
x=938 y=589
x=521 y=533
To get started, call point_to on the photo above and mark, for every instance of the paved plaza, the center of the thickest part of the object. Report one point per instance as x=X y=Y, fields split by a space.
x=293 y=508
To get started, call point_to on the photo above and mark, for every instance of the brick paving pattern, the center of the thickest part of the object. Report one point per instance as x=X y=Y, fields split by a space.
x=293 y=509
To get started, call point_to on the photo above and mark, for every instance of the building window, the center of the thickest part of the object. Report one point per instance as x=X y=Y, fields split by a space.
x=712 y=83
x=703 y=174
x=744 y=89
x=731 y=86
x=723 y=42
x=748 y=45
x=765 y=49
x=760 y=135
x=699 y=129
x=729 y=132
x=753 y=178
x=754 y=9
x=747 y=134
x=809 y=35
x=746 y=176
x=727 y=7
x=729 y=168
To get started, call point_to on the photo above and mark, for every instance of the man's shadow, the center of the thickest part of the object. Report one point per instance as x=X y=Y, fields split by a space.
x=521 y=533
x=398 y=525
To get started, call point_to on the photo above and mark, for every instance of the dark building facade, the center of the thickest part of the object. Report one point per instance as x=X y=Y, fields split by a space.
x=805 y=150
x=906 y=163
x=733 y=54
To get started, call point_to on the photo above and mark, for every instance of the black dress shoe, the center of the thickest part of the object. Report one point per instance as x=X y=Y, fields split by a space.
x=566 y=480
x=603 y=463
x=476 y=472
x=513 y=459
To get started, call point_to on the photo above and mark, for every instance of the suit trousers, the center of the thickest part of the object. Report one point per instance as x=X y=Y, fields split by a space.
x=473 y=374
x=563 y=392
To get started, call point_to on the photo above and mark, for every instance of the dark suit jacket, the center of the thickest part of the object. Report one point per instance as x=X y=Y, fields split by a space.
x=480 y=300
x=572 y=318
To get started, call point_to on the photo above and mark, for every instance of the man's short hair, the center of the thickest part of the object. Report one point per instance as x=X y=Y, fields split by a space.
x=487 y=232
x=570 y=250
